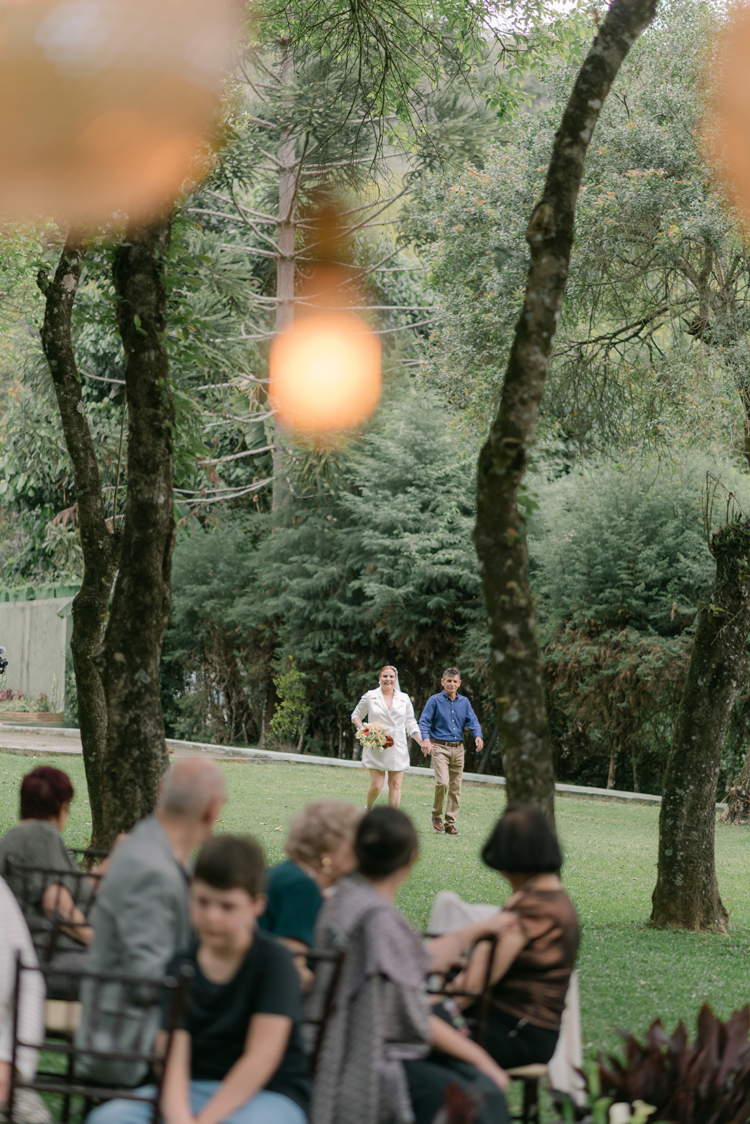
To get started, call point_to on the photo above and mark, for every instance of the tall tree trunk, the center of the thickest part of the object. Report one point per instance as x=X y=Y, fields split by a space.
x=500 y=536
x=136 y=754
x=737 y=810
x=286 y=233
x=99 y=546
x=687 y=892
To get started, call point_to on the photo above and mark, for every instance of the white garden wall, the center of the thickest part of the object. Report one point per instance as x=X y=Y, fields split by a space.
x=36 y=636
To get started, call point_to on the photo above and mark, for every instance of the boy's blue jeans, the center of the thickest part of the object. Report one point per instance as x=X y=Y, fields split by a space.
x=264 y=1108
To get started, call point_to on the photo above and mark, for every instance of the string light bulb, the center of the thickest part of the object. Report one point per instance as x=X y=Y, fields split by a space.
x=325 y=367
x=325 y=373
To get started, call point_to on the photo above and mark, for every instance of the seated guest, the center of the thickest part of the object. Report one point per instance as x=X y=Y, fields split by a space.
x=320 y=846
x=239 y=1055
x=382 y=1049
x=36 y=841
x=534 y=959
x=15 y=938
x=141 y=913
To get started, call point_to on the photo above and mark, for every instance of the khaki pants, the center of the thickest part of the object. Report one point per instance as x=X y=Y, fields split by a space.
x=448 y=763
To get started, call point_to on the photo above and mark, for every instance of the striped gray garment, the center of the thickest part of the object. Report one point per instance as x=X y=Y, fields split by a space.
x=380 y=1013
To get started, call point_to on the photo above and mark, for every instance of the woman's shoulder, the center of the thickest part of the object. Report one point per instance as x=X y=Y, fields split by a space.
x=30 y=834
x=533 y=903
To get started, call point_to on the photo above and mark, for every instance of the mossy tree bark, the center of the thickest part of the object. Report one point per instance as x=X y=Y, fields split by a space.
x=687 y=892
x=99 y=543
x=737 y=810
x=500 y=531
x=136 y=754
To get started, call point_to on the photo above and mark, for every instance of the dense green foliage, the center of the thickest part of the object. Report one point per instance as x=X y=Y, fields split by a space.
x=651 y=347
x=380 y=570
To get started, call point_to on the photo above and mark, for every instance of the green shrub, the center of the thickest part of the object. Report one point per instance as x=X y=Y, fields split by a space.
x=619 y=563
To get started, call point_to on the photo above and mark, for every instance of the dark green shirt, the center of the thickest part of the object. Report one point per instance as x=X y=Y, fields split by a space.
x=293 y=904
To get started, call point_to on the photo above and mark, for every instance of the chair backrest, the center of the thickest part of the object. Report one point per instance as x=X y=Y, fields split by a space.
x=87 y=855
x=483 y=997
x=112 y=1001
x=327 y=965
x=28 y=882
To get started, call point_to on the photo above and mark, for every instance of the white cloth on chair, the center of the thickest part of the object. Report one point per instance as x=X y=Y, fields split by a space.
x=450 y=912
x=14 y=938
x=567 y=1061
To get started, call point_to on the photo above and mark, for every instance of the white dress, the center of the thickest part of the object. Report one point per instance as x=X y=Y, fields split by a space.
x=398 y=722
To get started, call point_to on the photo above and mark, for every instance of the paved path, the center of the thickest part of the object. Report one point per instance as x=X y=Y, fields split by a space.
x=38 y=740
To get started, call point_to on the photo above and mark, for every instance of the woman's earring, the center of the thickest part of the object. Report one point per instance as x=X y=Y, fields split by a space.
x=326 y=863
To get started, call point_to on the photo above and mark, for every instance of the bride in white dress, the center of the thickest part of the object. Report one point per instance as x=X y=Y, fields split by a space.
x=387 y=706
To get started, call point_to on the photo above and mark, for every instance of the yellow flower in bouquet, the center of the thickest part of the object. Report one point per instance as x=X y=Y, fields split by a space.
x=374 y=737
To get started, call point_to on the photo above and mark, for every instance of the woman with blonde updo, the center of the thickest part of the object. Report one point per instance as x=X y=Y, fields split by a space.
x=390 y=707
x=320 y=846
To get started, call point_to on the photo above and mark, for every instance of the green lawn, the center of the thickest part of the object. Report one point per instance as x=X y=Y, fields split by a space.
x=629 y=973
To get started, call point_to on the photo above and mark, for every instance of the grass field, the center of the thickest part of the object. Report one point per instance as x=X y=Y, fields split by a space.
x=629 y=973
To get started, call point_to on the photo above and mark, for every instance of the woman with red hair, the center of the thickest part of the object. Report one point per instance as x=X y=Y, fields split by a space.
x=59 y=892
x=390 y=707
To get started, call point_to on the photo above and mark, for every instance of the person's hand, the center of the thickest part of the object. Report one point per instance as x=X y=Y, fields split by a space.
x=491 y=1069
x=426 y=746
x=501 y=922
x=479 y=743
x=4 y=1083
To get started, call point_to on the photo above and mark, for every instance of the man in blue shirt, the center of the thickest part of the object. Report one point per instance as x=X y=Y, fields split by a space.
x=442 y=725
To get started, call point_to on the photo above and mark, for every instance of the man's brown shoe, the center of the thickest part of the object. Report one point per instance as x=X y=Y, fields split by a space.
x=437 y=823
x=451 y=829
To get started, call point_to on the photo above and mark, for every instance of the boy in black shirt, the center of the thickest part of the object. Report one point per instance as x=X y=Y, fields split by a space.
x=239 y=1058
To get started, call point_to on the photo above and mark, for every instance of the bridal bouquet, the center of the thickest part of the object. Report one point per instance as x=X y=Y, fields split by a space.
x=374 y=737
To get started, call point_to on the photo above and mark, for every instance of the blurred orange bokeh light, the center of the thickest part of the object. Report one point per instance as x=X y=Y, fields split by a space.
x=325 y=373
x=727 y=133
x=106 y=103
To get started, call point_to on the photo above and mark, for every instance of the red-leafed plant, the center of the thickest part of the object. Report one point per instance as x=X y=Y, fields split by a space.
x=703 y=1082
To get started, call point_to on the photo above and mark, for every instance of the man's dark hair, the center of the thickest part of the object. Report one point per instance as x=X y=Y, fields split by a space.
x=523 y=841
x=451 y=671
x=385 y=842
x=232 y=862
x=43 y=792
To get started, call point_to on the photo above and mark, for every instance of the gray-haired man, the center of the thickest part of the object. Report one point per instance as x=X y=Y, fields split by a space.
x=141 y=914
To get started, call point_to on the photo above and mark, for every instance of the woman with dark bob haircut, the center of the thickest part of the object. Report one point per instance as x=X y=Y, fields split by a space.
x=383 y=1049
x=46 y=796
x=534 y=957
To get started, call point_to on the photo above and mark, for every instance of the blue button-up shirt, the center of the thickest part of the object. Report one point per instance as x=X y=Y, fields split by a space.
x=444 y=719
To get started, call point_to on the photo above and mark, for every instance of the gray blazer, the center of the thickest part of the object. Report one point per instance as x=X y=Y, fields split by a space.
x=140 y=920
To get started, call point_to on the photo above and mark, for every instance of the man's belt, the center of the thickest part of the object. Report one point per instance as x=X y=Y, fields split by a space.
x=452 y=745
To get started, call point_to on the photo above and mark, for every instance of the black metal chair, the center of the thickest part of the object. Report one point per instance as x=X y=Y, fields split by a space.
x=330 y=963
x=530 y=1075
x=29 y=882
x=159 y=1002
x=482 y=997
